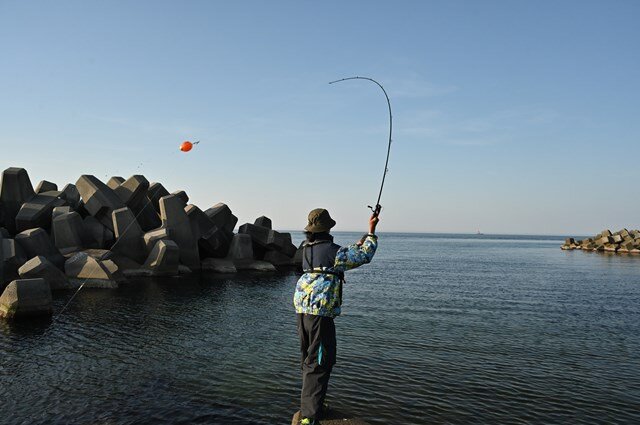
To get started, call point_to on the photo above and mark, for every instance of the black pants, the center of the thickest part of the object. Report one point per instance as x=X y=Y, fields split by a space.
x=318 y=350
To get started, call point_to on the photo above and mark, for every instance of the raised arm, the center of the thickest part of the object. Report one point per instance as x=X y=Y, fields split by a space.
x=352 y=256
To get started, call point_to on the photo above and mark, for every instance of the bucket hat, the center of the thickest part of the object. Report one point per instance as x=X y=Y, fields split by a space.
x=319 y=221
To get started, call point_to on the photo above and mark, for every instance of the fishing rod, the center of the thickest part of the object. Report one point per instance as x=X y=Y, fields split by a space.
x=376 y=210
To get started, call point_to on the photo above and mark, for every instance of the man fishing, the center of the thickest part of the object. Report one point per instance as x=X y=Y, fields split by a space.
x=318 y=300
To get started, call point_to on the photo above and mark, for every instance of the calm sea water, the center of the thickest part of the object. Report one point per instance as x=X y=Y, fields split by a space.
x=438 y=329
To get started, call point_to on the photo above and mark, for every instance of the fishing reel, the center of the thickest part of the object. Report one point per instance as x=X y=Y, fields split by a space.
x=376 y=210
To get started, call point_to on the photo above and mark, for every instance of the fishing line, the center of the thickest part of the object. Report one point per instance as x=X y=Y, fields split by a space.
x=378 y=207
x=108 y=251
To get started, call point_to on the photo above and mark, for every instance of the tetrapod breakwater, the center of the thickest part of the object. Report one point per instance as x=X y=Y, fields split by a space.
x=97 y=234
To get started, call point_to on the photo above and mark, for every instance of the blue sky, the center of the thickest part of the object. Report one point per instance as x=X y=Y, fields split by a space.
x=510 y=116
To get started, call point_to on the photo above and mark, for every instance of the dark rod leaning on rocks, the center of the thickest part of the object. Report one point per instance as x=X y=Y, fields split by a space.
x=378 y=207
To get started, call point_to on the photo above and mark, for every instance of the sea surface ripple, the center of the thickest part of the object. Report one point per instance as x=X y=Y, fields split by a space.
x=437 y=329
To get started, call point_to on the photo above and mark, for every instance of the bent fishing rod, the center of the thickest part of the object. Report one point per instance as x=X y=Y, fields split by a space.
x=376 y=210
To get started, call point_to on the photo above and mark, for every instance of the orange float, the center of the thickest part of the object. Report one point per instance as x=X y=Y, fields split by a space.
x=186 y=146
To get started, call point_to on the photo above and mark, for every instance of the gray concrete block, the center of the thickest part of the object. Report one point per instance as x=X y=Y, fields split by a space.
x=212 y=241
x=150 y=238
x=281 y=242
x=164 y=259
x=84 y=266
x=200 y=223
x=215 y=243
x=46 y=186
x=37 y=212
x=124 y=263
x=40 y=267
x=60 y=211
x=71 y=196
x=132 y=189
x=128 y=235
x=182 y=195
x=25 y=298
x=99 y=254
x=114 y=182
x=278 y=259
x=80 y=209
x=36 y=242
x=222 y=217
x=98 y=235
x=241 y=248
x=12 y=257
x=259 y=235
x=99 y=200
x=176 y=221
x=133 y=192
x=155 y=192
x=218 y=265
x=15 y=190
x=69 y=233
x=617 y=238
x=182 y=269
x=242 y=254
x=255 y=265
x=263 y=221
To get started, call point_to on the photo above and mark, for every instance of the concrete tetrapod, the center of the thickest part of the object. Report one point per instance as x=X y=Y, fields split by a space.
x=26 y=297
x=128 y=235
x=37 y=212
x=212 y=241
x=40 y=267
x=69 y=233
x=16 y=189
x=164 y=259
x=241 y=253
x=182 y=195
x=218 y=265
x=133 y=192
x=259 y=235
x=155 y=192
x=11 y=258
x=71 y=195
x=46 y=186
x=114 y=182
x=263 y=222
x=176 y=221
x=99 y=236
x=95 y=273
x=278 y=259
x=150 y=238
x=222 y=217
x=57 y=211
x=99 y=199
x=281 y=242
x=36 y=242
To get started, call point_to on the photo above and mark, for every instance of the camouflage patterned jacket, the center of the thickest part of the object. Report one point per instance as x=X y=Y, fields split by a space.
x=320 y=293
